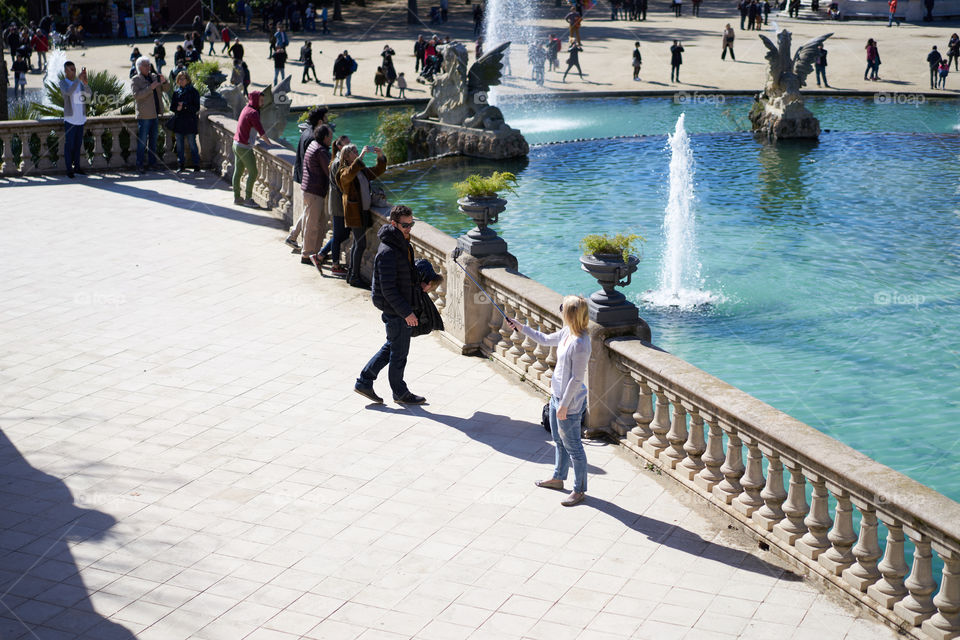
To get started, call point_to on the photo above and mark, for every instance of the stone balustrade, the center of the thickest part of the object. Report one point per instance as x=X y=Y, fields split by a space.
x=35 y=147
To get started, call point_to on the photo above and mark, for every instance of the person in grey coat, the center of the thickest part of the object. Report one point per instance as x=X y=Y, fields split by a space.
x=76 y=94
x=568 y=396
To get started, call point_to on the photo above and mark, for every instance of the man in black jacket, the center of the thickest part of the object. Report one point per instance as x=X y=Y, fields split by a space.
x=394 y=286
x=317 y=115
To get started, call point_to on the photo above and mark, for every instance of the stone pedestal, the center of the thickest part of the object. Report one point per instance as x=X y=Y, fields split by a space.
x=430 y=138
x=776 y=123
x=604 y=381
x=468 y=310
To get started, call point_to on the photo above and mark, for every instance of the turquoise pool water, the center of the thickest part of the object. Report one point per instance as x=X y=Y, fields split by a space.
x=838 y=262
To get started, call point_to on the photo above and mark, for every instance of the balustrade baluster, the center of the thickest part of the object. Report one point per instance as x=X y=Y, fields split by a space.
x=626 y=402
x=528 y=345
x=517 y=338
x=794 y=508
x=815 y=541
x=864 y=572
x=694 y=447
x=505 y=333
x=773 y=493
x=496 y=325
x=551 y=363
x=660 y=425
x=98 y=160
x=710 y=476
x=945 y=623
x=753 y=481
x=539 y=367
x=643 y=414
x=8 y=168
x=918 y=605
x=842 y=537
x=732 y=469
x=890 y=588
x=677 y=435
x=50 y=143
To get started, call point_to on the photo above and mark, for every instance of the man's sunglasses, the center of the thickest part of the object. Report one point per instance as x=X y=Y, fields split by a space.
x=407 y=225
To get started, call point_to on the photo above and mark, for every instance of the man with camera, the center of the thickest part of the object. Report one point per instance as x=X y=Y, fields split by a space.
x=147 y=88
x=76 y=93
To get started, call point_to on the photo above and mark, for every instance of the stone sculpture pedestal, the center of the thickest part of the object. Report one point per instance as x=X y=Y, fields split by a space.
x=432 y=138
x=776 y=123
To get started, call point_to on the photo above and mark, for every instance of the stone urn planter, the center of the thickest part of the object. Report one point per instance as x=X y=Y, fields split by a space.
x=608 y=306
x=214 y=100
x=482 y=240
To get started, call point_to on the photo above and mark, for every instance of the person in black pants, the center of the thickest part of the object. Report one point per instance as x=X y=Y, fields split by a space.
x=394 y=286
x=742 y=6
x=355 y=193
x=573 y=59
x=676 y=59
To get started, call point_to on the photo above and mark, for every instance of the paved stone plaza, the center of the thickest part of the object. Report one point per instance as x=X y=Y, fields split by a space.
x=181 y=456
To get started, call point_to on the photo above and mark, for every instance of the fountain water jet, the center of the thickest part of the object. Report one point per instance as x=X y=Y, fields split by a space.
x=680 y=282
x=55 y=59
x=509 y=21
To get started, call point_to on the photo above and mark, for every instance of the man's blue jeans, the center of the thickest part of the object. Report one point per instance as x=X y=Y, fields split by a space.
x=278 y=72
x=72 y=141
x=821 y=75
x=348 y=83
x=340 y=234
x=394 y=352
x=146 y=137
x=181 y=152
x=566 y=437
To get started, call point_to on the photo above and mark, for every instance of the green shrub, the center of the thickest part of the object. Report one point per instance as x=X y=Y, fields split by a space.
x=393 y=134
x=601 y=243
x=199 y=71
x=108 y=93
x=478 y=186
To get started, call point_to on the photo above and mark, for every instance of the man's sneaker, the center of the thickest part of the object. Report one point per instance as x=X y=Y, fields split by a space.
x=368 y=393
x=292 y=243
x=409 y=398
x=339 y=271
x=250 y=202
x=238 y=201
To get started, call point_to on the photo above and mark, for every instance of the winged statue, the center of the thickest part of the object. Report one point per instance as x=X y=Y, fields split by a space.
x=459 y=96
x=779 y=111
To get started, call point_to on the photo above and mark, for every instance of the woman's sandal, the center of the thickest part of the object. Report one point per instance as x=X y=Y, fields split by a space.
x=552 y=483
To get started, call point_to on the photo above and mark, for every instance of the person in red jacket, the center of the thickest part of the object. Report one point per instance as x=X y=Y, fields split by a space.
x=225 y=37
x=248 y=126
x=41 y=46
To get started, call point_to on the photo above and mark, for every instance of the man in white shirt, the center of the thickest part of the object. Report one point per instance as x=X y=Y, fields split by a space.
x=76 y=94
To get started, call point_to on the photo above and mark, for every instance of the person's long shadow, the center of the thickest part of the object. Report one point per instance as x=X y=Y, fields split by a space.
x=124 y=187
x=518 y=438
x=676 y=537
x=41 y=591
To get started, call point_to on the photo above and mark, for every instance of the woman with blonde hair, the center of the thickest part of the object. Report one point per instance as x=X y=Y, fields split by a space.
x=568 y=396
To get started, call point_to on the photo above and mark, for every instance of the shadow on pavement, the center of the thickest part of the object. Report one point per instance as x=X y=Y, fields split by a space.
x=125 y=187
x=678 y=538
x=42 y=595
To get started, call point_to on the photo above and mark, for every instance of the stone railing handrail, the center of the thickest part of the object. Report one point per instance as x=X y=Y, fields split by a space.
x=890 y=491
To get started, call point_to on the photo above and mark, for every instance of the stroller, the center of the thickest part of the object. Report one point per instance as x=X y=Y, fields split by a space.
x=431 y=67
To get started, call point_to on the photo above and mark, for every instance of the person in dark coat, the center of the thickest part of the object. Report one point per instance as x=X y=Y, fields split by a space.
x=676 y=59
x=394 y=290
x=185 y=105
x=389 y=71
x=316 y=117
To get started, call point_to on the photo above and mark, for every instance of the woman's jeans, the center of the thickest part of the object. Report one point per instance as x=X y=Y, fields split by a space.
x=333 y=244
x=191 y=138
x=356 y=254
x=244 y=160
x=566 y=436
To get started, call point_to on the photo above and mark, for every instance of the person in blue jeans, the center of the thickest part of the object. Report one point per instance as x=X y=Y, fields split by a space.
x=395 y=279
x=147 y=88
x=76 y=94
x=185 y=105
x=568 y=396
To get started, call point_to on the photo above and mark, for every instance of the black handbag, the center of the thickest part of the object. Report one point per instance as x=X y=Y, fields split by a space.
x=428 y=317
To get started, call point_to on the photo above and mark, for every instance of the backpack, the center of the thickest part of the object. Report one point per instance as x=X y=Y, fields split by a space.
x=353 y=65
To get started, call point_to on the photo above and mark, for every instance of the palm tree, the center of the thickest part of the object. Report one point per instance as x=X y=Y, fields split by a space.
x=108 y=91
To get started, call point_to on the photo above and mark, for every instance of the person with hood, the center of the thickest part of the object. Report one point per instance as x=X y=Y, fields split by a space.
x=394 y=289
x=354 y=178
x=185 y=105
x=248 y=126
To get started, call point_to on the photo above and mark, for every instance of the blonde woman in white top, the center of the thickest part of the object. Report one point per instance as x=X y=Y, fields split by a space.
x=569 y=394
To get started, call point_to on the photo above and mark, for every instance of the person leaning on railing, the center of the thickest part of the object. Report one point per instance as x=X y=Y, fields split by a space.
x=354 y=179
x=568 y=396
x=248 y=126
